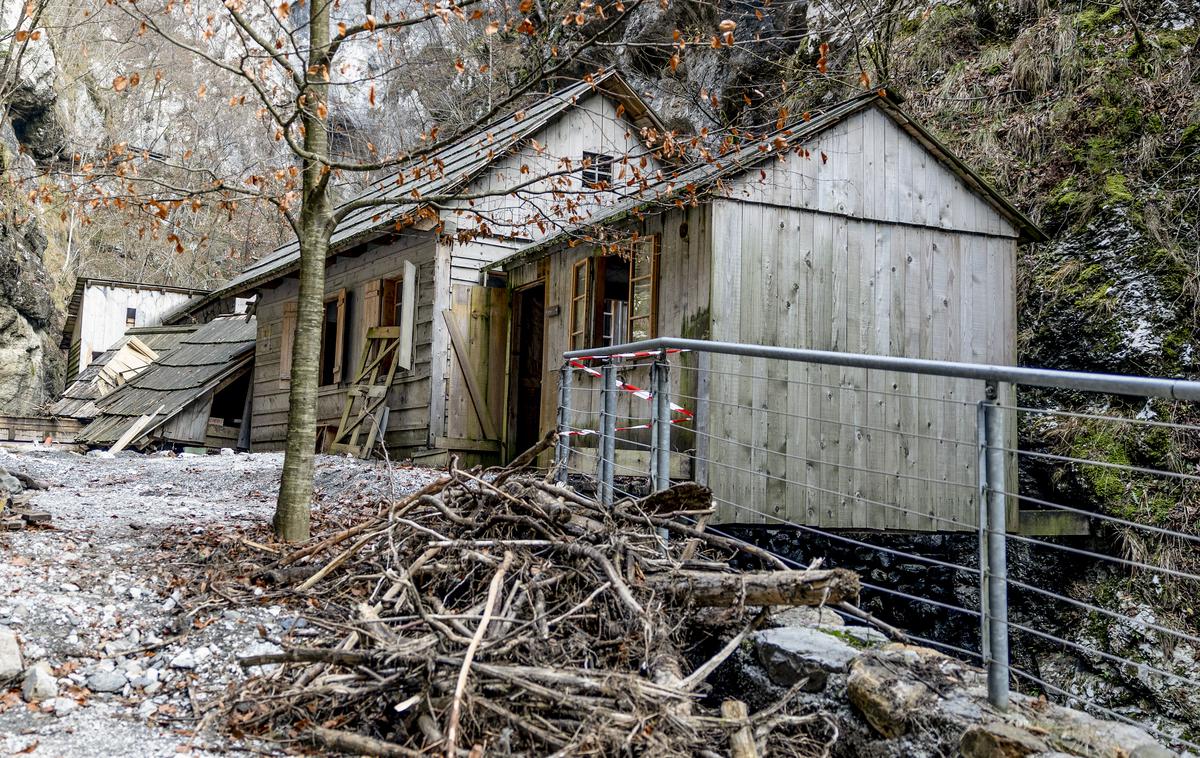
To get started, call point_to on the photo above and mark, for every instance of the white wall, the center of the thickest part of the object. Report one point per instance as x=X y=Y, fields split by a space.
x=102 y=315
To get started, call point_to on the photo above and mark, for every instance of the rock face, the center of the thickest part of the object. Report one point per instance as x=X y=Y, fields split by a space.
x=31 y=364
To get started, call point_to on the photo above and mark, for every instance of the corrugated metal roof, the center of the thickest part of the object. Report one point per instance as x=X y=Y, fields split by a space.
x=203 y=360
x=699 y=176
x=442 y=172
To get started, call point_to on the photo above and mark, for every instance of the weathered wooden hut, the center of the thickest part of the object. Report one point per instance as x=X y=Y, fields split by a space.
x=854 y=230
x=405 y=277
x=196 y=395
x=100 y=311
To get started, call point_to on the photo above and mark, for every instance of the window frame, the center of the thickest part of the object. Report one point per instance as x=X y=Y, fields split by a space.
x=586 y=323
x=651 y=317
x=130 y=316
x=337 y=298
x=596 y=169
x=581 y=334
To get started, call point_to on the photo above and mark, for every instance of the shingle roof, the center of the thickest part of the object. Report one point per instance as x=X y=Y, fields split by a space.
x=453 y=167
x=698 y=176
x=78 y=400
x=203 y=360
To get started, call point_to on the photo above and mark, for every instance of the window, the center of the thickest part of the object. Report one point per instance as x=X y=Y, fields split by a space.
x=614 y=297
x=597 y=169
x=130 y=316
x=333 y=332
x=581 y=282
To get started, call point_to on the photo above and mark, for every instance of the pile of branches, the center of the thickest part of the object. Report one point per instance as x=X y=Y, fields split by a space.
x=514 y=616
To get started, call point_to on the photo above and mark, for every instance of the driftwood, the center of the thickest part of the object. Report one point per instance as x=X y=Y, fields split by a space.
x=760 y=588
x=502 y=614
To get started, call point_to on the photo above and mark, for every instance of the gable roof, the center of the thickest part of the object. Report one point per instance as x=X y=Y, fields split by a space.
x=113 y=368
x=701 y=176
x=203 y=361
x=458 y=163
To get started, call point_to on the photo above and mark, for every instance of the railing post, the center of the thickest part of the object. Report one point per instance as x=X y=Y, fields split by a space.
x=608 y=431
x=994 y=569
x=660 y=446
x=562 y=448
x=700 y=421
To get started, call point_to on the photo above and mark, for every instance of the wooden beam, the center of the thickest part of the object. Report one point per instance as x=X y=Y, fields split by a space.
x=468 y=371
x=134 y=430
x=460 y=443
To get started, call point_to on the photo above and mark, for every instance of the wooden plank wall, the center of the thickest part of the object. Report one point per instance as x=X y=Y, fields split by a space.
x=408 y=422
x=867 y=245
x=101 y=319
x=682 y=311
x=593 y=125
x=481 y=315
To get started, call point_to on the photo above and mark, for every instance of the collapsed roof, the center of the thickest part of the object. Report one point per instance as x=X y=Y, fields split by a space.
x=182 y=383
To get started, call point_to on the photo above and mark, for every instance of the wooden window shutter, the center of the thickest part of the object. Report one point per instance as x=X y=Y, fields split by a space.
x=287 y=338
x=371 y=296
x=339 y=347
x=408 y=317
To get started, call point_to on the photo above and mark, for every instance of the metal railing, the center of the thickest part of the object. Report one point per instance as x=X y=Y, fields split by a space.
x=859 y=451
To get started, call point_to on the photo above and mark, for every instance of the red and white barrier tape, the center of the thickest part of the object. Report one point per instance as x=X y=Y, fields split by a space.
x=636 y=391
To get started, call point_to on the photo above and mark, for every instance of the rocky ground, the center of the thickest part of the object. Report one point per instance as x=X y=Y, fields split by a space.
x=120 y=654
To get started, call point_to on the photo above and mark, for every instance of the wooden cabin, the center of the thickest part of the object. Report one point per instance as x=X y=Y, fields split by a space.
x=194 y=395
x=100 y=311
x=853 y=231
x=411 y=275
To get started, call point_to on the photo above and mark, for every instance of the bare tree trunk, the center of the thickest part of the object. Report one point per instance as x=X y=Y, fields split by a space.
x=292 y=509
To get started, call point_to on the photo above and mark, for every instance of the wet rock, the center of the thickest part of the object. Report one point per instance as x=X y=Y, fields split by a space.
x=39 y=683
x=11 y=665
x=106 y=681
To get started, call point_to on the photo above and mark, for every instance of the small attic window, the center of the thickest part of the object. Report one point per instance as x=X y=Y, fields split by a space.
x=130 y=316
x=597 y=169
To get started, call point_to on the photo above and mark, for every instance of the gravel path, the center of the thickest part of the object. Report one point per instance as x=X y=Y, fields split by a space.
x=97 y=598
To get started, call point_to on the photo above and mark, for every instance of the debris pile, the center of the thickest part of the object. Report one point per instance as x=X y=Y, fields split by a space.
x=514 y=616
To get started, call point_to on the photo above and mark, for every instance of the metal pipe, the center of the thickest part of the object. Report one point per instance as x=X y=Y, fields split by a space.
x=662 y=424
x=997 y=560
x=608 y=431
x=562 y=447
x=985 y=632
x=1172 y=389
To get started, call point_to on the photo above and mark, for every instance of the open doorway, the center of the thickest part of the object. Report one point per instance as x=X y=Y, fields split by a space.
x=525 y=401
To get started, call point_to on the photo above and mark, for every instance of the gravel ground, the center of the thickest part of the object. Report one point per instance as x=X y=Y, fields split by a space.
x=98 y=595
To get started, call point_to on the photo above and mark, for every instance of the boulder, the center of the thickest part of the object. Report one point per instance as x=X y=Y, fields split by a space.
x=106 y=681
x=792 y=653
x=11 y=664
x=40 y=683
x=892 y=685
x=1000 y=740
